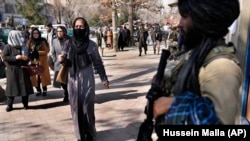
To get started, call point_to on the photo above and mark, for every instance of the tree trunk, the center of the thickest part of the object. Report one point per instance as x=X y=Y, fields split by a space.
x=131 y=22
x=114 y=23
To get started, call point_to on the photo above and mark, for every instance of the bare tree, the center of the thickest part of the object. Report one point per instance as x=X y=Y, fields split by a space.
x=151 y=11
x=58 y=10
x=68 y=12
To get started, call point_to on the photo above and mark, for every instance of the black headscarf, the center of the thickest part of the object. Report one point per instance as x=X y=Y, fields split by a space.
x=35 y=44
x=36 y=40
x=79 y=43
x=212 y=18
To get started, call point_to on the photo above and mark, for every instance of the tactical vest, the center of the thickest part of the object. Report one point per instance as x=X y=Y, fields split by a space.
x=215 y=53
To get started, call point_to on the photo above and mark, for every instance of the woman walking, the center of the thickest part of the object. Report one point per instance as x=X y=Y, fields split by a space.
x=82 y=54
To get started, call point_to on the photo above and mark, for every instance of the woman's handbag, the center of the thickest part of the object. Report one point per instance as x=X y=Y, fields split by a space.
x=62 y=76
x=51 y=63
x=34 y=69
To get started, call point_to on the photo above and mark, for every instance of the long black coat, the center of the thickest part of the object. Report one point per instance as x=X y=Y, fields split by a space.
x=18 y=79
x=142 y=38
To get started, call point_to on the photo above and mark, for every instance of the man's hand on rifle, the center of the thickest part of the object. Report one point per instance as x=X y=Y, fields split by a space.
x=161 y=106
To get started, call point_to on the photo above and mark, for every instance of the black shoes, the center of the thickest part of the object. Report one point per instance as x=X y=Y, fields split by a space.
x=25 y=106
x=38 y=93
x=44 y=93
x=87 y=137
x=9 y=108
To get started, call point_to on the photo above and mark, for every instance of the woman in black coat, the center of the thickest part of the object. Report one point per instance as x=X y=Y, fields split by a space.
x=18 y=78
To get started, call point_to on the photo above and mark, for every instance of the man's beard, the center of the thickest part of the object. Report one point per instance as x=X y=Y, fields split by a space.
x=191 y=38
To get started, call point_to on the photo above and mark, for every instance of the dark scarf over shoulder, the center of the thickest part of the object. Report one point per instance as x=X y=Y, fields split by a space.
x=188 y=79
x=78 y=54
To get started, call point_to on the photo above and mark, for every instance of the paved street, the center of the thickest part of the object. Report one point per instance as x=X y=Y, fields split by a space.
x=118 y=110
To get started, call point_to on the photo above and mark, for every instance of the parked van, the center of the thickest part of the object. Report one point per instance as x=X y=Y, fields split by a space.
x=4 y=32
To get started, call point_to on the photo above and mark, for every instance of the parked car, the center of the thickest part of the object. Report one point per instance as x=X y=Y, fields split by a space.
x=4 y=32
x=43 y=33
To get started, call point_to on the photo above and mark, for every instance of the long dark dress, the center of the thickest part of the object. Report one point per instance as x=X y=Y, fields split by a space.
x=81 y=89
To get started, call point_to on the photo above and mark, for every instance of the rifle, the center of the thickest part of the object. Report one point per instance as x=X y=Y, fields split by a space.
x=146 y=128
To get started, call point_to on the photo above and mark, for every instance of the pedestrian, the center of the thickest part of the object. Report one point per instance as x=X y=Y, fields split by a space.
x=26 y=33
x=172 y=41
x=208 y=87
x=105 y=36
x=109 y=35
x=82 y=54
x=51 y=33
x=122 y=36
x=99 y=36
x=157 y=36
x=128 y=37
x=18 y=81
x=58 y=44
x=38 y=52
x=142 y=39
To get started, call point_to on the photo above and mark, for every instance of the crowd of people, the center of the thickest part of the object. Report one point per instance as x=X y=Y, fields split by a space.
x=197 y=86
x=78 y=53
x=106 y=34
x=144 y=36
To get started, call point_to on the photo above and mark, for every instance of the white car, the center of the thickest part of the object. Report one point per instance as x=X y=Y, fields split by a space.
x=43 y=33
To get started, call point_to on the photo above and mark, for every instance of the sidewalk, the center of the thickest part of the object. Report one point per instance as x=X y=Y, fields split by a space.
x=118 y=110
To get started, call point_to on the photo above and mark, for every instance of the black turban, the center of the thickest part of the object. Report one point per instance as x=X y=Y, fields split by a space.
x=212 y=17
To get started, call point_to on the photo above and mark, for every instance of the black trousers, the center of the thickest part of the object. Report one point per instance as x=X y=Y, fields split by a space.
x=64 y=86
x=145 y=49
x=38 y=86
x=10 y=100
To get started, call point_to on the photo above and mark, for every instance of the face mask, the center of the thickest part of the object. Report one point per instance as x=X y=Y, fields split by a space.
x=78 y=33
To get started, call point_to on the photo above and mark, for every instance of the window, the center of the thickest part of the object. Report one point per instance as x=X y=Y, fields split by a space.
x=9 y=8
